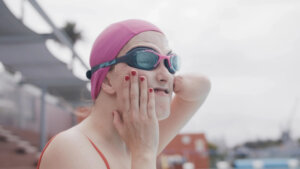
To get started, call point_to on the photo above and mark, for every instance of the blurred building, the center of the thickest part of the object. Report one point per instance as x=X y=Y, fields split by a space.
x=286 y=148
x=38 y=92
x=20 y=107
x=267 y=163
x=185 y=151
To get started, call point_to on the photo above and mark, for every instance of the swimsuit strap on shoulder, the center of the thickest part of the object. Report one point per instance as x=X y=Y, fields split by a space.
x=99 y=152
x=40 y=159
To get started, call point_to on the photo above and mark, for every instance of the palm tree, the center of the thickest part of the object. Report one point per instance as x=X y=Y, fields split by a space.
x=69 y=29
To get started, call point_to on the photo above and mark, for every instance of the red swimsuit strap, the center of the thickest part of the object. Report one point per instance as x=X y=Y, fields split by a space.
x=40 y=159
x=100 y=153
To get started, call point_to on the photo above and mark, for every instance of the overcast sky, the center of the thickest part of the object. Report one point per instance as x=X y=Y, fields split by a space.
x=249 y=49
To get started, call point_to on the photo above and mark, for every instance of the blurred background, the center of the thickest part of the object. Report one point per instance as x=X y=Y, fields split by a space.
x=249 y=49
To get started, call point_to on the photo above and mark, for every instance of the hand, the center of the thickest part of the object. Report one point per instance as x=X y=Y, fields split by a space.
x=191 y=87
x=136 y=122
x=177 y=84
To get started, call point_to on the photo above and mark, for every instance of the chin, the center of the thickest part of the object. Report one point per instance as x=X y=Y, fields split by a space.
x=163 y=115
x=163 y=109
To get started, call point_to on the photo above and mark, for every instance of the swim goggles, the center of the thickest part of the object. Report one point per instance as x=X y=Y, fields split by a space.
x=141 y=58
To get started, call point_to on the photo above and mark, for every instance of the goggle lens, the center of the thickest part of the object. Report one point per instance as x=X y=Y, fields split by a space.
x=148 y=61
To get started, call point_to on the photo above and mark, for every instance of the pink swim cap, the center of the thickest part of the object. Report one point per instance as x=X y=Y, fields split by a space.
x=109 y=43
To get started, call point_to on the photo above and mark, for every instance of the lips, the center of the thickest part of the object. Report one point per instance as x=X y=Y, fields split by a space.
x=157 y=90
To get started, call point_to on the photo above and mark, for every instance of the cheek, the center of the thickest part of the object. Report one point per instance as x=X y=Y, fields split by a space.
x=147 y=74
x=120 y=71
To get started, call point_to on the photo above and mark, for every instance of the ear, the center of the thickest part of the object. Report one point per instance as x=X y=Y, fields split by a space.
x=107 y=87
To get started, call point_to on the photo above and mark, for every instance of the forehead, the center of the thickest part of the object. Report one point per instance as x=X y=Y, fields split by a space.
x=150 y=39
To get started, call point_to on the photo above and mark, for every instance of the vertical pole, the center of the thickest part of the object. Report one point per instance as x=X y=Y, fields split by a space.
x=74 y=119
x=17 y=118
x=43 y=134
x=21 y=117
x=22 y=10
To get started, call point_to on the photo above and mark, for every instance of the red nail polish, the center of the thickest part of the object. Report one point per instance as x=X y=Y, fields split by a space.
x=150 y=90
x=142 y=78
x=127 y=78
x=133 y=73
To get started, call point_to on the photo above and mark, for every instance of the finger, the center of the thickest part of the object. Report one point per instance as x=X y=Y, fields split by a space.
x=134 y=92
x=143 y=95
x=125 y=101
x=176 y=84
x=151 y=104
x=118 y=122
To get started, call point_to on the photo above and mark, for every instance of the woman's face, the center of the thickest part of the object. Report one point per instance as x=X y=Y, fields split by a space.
x=157 y=78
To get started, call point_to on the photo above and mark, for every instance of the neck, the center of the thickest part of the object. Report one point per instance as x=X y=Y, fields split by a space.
x=99 y=124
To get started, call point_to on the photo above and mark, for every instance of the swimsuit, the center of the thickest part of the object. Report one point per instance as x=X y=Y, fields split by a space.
x=99 y=152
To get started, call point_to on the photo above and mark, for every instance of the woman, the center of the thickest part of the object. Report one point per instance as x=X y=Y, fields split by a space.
x=134 y=115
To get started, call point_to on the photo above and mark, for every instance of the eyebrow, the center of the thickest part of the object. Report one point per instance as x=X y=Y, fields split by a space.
x=170 y=52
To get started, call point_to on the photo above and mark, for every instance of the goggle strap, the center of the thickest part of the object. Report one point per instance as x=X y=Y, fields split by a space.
x=89 y=73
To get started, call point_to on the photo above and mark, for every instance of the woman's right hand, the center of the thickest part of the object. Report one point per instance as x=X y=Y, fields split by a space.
x=136 y=122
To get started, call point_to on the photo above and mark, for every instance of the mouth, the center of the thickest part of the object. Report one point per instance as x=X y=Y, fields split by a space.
x=161 y=90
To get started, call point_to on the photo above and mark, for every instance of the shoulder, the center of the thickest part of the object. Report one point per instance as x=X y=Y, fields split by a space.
x=70 y=149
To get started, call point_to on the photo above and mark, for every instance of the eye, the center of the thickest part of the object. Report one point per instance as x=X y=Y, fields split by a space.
x=175 y=60
x=146 y=59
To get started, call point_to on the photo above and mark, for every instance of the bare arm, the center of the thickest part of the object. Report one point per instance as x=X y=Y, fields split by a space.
x=190 y=93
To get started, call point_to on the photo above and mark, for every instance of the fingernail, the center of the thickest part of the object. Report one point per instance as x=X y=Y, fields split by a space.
x=133 y=73
x=142 y=79
x=150 y=90
x=127 y=78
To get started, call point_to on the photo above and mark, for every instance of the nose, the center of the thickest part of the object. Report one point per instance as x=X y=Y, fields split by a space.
x=162 y=72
